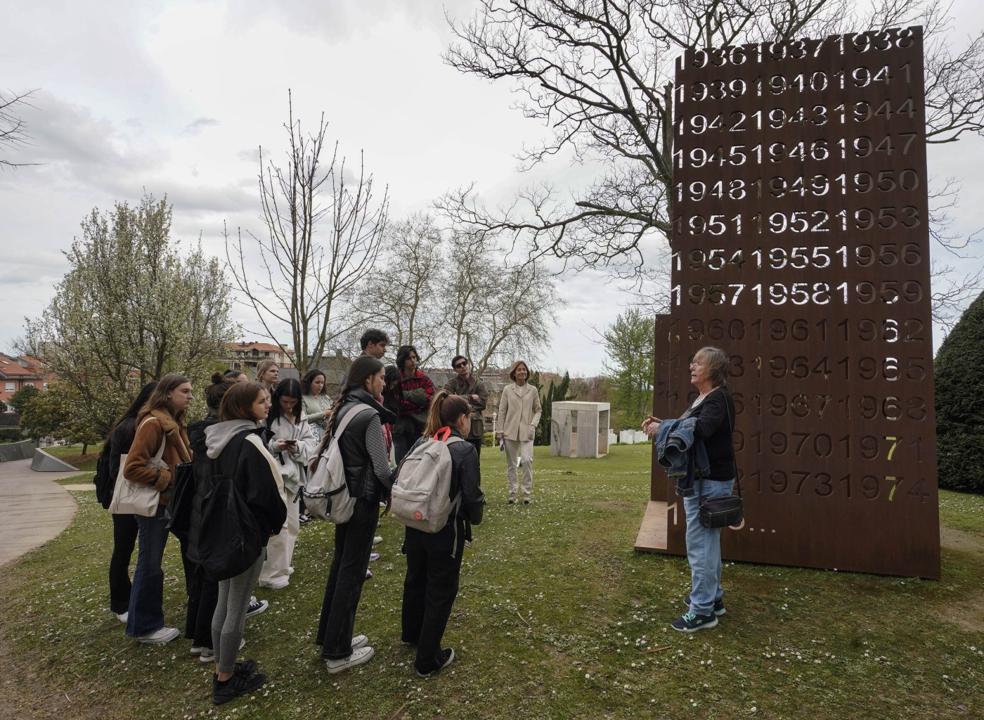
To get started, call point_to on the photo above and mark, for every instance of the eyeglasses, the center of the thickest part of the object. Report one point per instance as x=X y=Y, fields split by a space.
x=460 y=365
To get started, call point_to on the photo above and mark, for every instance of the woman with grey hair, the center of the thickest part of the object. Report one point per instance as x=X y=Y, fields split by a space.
x=714 y=411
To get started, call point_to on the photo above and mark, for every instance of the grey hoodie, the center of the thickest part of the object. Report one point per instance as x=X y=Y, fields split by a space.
x=217 y=436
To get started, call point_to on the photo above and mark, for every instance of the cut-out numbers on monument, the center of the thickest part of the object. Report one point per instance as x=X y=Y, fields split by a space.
x=800 y=246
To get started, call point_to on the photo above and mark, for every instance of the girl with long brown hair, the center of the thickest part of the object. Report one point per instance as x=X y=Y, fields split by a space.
x=160 y=444
x=367 y=474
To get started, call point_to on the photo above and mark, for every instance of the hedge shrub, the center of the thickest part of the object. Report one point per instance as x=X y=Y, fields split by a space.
x=959 y=371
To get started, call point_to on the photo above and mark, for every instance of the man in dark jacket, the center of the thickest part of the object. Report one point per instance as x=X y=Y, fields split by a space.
x=473 y=390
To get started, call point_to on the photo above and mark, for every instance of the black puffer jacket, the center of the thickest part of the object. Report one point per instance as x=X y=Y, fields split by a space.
x=363 y=448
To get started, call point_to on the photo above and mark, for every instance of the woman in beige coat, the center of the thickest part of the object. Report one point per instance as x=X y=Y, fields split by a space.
x=519 y=414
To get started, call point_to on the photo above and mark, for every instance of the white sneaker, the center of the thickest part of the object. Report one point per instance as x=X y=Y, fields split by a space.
x=277 y=584
x=377 y=539
x=362 y=655
x=290 y=571
x=123 y=616
x=161 y=636
x=359 y=641
x=373 y=556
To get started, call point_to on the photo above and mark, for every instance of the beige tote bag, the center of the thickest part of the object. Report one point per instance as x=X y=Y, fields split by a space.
x=136 y=498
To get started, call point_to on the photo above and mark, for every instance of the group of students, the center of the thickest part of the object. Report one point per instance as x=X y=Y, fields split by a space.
x=265 y=437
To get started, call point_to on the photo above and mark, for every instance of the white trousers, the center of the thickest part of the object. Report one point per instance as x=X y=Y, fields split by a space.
x=521 y=451
x=280 y=549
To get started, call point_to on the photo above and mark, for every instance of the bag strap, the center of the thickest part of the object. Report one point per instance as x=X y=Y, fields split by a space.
x=349 y=417
x=442 y=434
x=731 y=440
x=160 y=451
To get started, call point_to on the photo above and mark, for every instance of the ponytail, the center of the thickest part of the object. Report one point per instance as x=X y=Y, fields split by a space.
x=445 y=409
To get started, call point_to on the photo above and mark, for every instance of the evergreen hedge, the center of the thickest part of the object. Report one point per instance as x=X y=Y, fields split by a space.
x=959 y=369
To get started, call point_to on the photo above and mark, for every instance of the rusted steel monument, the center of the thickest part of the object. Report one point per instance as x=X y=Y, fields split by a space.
x=801 y=247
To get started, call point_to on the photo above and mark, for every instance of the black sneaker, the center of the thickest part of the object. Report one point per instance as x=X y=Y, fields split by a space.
x=446 y=658
x=245 y=667
x=256 y=606
x=223 y=692
x=718 y=606
x=691 y=622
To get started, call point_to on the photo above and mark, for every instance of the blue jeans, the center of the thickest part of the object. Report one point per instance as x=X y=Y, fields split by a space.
x=704 y=549
x=146 y=612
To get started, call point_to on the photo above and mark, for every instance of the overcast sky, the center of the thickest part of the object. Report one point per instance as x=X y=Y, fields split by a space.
x=174 y=97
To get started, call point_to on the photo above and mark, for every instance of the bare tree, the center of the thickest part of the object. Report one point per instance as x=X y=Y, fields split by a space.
x=495 y=312
x=12 y=128
x=593 y=71
x=323 y=232
x=448 y=292
x=408 y=298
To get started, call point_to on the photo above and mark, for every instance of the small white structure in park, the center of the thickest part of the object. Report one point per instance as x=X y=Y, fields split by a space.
x=579 y=429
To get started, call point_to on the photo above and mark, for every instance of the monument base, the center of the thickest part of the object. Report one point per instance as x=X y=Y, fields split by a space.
x=652 y=535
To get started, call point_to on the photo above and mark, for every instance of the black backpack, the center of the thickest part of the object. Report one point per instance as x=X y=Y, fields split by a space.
x=230 y=538
x=103 y=482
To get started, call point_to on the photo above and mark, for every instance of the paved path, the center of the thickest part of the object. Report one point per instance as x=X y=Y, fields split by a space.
x=33 y=508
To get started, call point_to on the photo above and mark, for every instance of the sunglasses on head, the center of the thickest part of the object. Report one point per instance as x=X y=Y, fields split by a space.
x=460 y=364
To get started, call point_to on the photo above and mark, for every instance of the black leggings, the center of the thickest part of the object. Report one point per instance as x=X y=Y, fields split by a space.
x=124 y=540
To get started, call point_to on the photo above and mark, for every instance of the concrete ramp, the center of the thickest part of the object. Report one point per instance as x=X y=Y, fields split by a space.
x=33 y=508
x=23 y=450
x=43 y=462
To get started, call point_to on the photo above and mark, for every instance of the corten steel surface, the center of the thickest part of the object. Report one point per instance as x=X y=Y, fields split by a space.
x=801 y=249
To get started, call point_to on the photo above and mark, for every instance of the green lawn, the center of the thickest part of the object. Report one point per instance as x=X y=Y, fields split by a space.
x=557 y=618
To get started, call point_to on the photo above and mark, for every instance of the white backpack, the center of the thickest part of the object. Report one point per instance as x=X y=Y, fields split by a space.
x=420 y=494
x=326 y=493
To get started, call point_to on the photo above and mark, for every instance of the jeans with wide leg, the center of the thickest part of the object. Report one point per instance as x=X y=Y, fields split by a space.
x=430 y=588
x=353 y=543
x=146 y=612
x=124 y=540
x=704 y=549
x=280 y=550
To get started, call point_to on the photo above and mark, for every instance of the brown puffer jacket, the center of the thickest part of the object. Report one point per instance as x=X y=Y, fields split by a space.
x=160 y=427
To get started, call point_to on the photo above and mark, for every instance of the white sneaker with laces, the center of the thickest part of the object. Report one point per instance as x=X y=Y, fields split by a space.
x=162 y=636
x=359 y=641
x=362 y=655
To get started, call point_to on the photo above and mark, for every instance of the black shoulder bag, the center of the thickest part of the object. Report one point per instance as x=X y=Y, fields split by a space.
x=723 y=511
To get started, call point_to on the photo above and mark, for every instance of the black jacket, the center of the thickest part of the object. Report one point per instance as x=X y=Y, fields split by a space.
x=251 y=472
x=108 y=467
x=363 y=448
x=201 y=469
x=715 y=424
